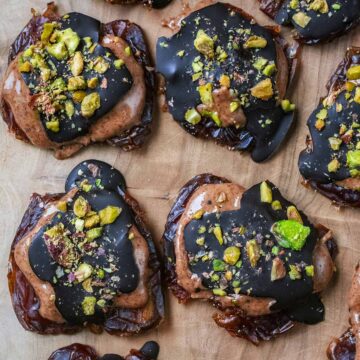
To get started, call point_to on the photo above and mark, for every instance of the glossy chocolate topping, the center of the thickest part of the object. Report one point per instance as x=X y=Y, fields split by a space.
x=185 y=69
x=329 y=163
x=149 y=351
x=318 y=20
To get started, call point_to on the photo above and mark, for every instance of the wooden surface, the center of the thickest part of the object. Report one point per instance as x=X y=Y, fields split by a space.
x=154 y=176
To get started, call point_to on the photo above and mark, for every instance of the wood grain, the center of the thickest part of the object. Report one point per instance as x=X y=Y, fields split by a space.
x=154 y=175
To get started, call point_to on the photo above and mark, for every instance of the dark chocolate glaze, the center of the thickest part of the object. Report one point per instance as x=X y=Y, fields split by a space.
x=149 y=351
x=119 y=81
x=114 y=241
x=343 y=348
x=257 y=217
x=181 y=92
x=252 y=328
x=115 y=320
x=313 y=161
x=129 y=139
x=321 y=27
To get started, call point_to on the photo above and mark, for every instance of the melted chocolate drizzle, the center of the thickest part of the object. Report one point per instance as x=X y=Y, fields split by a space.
x=182 y=94
x=313 y=161
x=257 y=217
x=149 y=351
x=113 y=242
x=119 y=81
x=322 y=27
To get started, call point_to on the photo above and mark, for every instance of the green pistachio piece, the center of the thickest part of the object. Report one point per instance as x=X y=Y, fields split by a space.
x=79 y=225
x=205 y=92
x=101 y=303
x=192 y=116
x=293 y=214
x=333 y=165
x=128 y=51
x=119 y=63
x=353 y=159
x=92 y=221
x=263 y=90
x=55 y=231
x=309 y=270
x=62 y=206
x=294 y=273
x=260 y=63
x=204 y=44
x=58 y=50
x=90 y=104
x=69 y=108
x=255 y=42
x=301 y=19
x=78 y=96
x=287 y=106
x=81 y=207
x=71 y=39
x=200 y=241
x=47 y=31
x=198 y=214
x=109 y=214
x=25 y=67
x=218 y=234
x=53 y=125
x=83 y=272
x=253 y=252
x=94 y=233
x=335 y=143
x=353 y=73
x=320 y=6
x=290 y=234
x=276 y=205
x=234 y=105
x=77 y=64
x=232 y=255
x=93 y=83
x=76 y=83
x=269 y=69
x=218 y=265
x=88 y=305
x=219 y=292
x=101 y=65
x=357 y=95
x=265 y=192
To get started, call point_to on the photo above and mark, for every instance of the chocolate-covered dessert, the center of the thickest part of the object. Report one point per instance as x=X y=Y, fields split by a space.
x=314 y=21
x=156 y=4
x=149 y=351
x=251 y=253
x=331 y=162
x=85 y=258
x=73 y=81
x=347 y=347
x=226 y=78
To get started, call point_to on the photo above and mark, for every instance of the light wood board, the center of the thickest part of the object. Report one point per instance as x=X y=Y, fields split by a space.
x=154 y=175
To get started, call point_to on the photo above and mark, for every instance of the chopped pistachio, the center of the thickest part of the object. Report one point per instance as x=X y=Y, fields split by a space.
x=218 y=265
x=263 y=90
x=62 y=206
x=83 y=272
x=205 y=92
x=293 y=214
x=228 y=275
x=225 y=81
x=77 y=64
x=200 y=241
x=25 y=67
x=90 y=104
x=101 y=303
x=219 y=292
x=335 y=143
x=79 y=225
x=260 y=63
x=276 y=205
x=269 y=69
x=333 y=165
x=53 y=125
x=71 y=39
x=94 y=233
x=234 y=105
x=101 y=65
x=192 y=116
x=349 y=86
x=290 y=234
x=231 y=255
x=357 y=95
x=353 y=159
x=265 y=192
x=78 y=96
x=319 y=124
x=128 y=51
x=204 y=44
x=294 y=273
x=58 y=51
x=119 y=63
x=76 y=83
x=81 y=207
x=93 y=83
x=198 y=215
x=278 y=270
x=218 y=234
x=47 y=31
x=309 y=270
x=319 y=5
x=255 y=42
x=301 y=19
x=353 y=73
x=294 y=4
x=253 y=252
x=88 y=305
x=109 y=214
x=287 y=106
x=92 y=221
x=69 y=108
